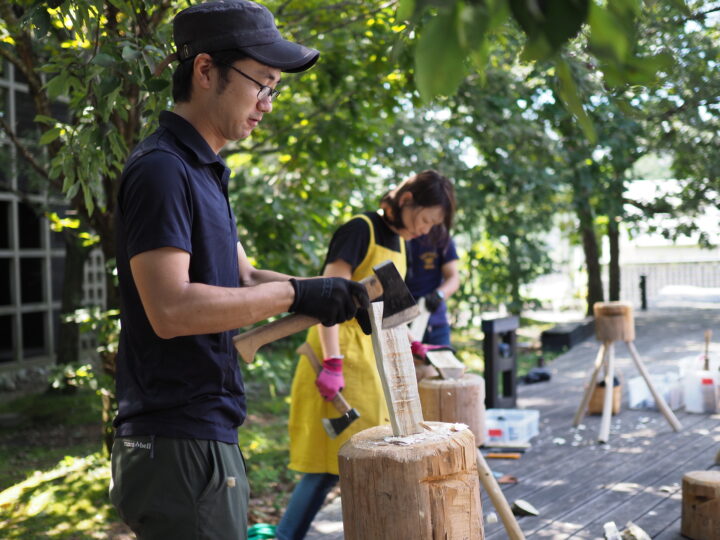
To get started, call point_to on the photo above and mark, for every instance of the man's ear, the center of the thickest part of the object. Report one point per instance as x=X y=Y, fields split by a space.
x=405 y=199
x=202 y=65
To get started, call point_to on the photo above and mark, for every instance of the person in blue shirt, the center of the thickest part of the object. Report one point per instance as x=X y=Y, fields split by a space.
x=186 y=283
x=433 y=275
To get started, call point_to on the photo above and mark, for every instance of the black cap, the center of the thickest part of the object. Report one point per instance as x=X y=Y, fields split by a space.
x=238 y=24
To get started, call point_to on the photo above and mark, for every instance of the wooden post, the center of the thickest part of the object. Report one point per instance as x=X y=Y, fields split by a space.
x=659 y=400
x=701 y=505
x=456 y=400
x=599 y=361
x=421 y=487
x=397 y=373
x=487 y=479
x=607 y=402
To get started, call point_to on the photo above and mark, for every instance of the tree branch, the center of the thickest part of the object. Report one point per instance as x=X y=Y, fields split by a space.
x=24 y=152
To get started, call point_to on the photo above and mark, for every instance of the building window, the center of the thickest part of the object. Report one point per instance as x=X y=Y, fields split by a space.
x=29 y=255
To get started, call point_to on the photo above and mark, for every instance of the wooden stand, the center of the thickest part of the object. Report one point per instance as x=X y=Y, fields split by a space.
x=420 y=487
x=614 y=322
x=701 y=505
x=456 y=400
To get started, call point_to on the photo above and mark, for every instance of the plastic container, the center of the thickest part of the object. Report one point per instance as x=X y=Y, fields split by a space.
x=668 y=385
x=511 y=425
x=701 y=390
x=697 y=363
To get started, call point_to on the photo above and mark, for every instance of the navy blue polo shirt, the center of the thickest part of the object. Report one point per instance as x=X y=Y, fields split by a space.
x=173 y=193
x=425 y=262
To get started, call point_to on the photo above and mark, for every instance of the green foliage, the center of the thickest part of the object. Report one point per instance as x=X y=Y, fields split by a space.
x=525 y=142
x=441 y=46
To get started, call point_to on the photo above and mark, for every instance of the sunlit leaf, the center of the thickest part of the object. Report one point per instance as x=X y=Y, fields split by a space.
x=439 y=58
x=50 y=135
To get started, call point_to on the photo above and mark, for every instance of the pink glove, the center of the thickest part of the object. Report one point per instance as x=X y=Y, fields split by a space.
x=330 y=380
x=418 y=349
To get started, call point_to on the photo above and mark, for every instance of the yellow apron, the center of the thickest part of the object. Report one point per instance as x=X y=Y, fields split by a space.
x=311 y=450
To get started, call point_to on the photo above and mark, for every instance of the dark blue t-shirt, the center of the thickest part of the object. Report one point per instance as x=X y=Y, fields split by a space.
x=173 y=193
x=425 y=262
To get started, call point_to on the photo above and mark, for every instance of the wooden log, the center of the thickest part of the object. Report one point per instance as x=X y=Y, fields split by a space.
x=701 y=505
x=456 y=400
x=614 y=321
x=397 y=373
x=420 y=487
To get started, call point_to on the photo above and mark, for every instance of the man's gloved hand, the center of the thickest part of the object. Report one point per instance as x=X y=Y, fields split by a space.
x=433 y=300
x=331 y=300
x=363 y=319
x=330 y=380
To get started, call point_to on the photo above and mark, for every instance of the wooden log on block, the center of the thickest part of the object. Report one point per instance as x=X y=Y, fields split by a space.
x=614 y=321
x=701 y=505
x=446 y=364
x=397 y=372
x=456 y=400
x=420 y=487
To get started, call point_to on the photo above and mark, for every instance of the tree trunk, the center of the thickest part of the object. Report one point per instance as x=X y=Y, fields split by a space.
x=514 y=274
x=592 y=254
x=613 y=232
x=72 y=294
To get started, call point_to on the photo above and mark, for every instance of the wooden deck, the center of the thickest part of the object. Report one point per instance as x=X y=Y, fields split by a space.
x=575 y=483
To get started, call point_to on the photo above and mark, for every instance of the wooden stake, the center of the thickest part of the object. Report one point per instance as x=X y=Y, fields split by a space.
x=487 y=479
x=607 y=405
x=579 y=415
x=659 y=400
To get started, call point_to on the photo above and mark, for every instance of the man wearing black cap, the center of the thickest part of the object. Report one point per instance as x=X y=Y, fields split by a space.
x=186 y=283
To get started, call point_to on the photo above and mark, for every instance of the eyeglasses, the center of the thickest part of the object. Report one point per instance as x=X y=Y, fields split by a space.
x=265 y=92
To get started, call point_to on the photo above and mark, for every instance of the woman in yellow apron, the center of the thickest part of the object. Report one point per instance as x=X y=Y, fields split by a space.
x=422 y=204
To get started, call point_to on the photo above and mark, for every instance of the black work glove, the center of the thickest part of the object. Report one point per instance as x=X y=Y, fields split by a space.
x=331 y=300
x=433 y=300
x=363 y=319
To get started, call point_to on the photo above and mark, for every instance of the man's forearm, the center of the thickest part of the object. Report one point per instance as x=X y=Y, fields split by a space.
x=257 y=277
x=207 y=309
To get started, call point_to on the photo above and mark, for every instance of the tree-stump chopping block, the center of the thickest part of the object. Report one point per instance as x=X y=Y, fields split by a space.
x=456 y=400
x=614 y=321
x=419 y=487
x=701 y=505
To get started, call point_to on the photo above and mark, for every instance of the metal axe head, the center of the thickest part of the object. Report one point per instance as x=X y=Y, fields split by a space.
x=335 y=426
x=399 y=306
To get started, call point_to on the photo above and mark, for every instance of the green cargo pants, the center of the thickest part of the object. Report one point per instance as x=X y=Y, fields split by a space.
x=180 y=488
